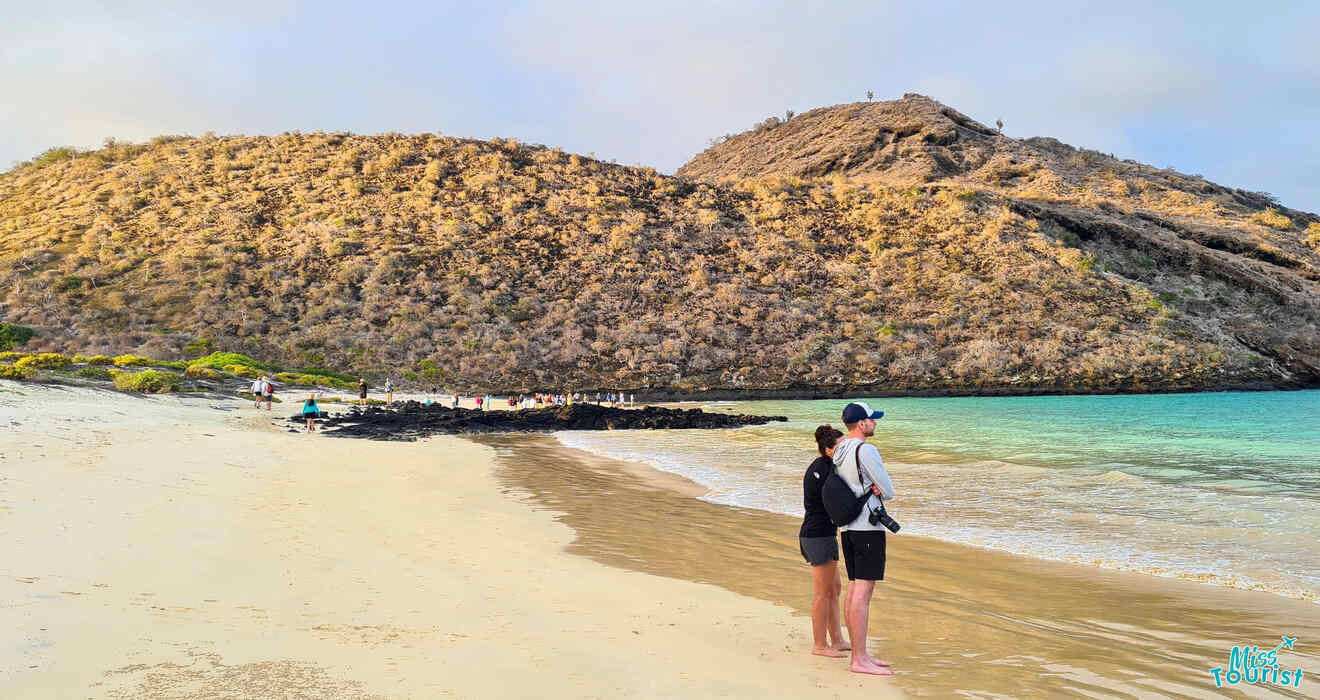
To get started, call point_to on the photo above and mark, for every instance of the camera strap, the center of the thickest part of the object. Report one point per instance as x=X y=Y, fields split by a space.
x=861 y=478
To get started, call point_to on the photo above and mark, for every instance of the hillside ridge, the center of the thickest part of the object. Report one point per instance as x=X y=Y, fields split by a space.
x=948 y=260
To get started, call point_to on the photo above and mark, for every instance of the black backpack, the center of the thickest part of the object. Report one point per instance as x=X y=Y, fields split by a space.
x=841 y=504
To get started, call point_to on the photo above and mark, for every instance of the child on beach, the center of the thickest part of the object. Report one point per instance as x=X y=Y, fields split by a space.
x=819 y=547
x=362 y=392
x=310 y=412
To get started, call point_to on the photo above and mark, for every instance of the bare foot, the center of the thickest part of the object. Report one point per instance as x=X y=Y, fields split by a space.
x=863 y=667
x=841 y=646
x=878 y=662
x=830 y=652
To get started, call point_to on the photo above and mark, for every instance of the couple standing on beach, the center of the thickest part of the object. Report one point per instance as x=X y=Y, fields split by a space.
x=861 y=468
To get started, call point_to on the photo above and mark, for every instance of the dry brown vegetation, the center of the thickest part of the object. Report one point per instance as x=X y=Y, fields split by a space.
x=502 y=266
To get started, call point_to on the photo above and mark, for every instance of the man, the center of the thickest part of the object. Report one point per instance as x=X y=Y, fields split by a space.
x=863 y=544
x=268 y=391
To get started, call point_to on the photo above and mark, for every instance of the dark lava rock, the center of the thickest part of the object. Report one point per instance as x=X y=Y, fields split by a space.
x=410 y=420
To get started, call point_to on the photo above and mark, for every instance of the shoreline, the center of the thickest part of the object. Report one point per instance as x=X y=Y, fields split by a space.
x=861 y=392
x=794 y=393
x=1066 y=624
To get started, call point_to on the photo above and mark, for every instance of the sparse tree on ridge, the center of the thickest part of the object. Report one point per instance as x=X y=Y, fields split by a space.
x=869 y=95
x=999 y=124
x=788 y=114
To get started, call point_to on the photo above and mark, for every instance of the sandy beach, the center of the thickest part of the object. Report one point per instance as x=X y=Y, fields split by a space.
x=164 y=548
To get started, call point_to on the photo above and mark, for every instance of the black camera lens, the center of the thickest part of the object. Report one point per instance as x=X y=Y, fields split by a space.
x=881 y=517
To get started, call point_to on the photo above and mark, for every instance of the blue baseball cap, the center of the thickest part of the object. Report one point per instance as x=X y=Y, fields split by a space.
x=855 y=412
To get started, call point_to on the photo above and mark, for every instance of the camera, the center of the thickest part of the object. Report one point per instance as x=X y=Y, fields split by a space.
x=881 y=517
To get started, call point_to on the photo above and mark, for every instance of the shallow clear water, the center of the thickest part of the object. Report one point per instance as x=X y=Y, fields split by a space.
x=1222 y=488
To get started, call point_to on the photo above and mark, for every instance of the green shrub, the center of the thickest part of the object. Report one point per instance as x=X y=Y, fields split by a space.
x=239 y=371
x=132 y=361
x=12 y=356
x=339 y=378
x=99 y=373
x=1272 y=218
x=100 y=360
x=223 y=360
x=198 y=348
x=199 y=372
x=11 y=336
x=298 y=379
x=46 y=360
x=147 y=381
x=179 y=365
x=15 y=372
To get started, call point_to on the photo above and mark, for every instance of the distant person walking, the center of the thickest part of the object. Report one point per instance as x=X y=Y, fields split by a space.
x=310 y=412
x=362 y=392
x=863 y=540
x=820 y=547
x=267 y=392
x=389 y=391
x=258 y=390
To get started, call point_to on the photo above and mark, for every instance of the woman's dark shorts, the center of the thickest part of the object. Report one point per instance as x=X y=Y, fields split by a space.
x=819 y=550
x=864 y=554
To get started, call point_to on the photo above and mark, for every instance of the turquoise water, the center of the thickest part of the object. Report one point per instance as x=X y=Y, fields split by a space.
x=1221 y=488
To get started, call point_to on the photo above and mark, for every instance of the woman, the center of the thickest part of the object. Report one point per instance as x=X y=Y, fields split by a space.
x=362 y=392
x=310 y=412
x=819 y=547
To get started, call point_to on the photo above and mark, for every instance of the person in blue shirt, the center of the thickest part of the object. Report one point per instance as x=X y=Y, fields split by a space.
x=310 y=412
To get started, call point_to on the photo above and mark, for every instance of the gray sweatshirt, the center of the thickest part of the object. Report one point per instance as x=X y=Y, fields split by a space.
x=874 y=469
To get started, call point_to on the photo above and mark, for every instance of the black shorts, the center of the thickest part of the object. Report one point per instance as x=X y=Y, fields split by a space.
x=864 y=554
x=819 y=550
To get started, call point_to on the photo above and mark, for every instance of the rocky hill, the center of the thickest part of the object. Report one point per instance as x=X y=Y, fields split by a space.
x=894 y=247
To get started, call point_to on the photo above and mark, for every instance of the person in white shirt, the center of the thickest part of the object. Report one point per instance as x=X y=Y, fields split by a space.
x=862 y=542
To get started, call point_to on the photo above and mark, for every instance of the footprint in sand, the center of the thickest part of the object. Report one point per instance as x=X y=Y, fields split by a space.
x=27 y=579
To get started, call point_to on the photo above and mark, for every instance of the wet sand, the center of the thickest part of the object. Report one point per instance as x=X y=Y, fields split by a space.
x=158 y=547
x=954 y=619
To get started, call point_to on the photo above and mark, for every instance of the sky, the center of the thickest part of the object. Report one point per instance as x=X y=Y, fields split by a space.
x=1228 y=90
